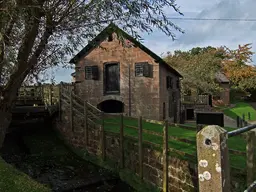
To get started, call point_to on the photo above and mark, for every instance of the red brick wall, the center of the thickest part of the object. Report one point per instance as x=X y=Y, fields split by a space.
x=225 y=94
x=145 y=97
x=165 y=93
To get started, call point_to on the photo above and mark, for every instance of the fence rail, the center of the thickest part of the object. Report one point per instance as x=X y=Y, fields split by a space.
x=216 y=142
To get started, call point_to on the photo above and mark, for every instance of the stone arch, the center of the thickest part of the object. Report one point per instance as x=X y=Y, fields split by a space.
x=111 y=106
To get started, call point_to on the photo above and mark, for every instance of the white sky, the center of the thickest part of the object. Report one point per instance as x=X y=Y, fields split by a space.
x=202 y=33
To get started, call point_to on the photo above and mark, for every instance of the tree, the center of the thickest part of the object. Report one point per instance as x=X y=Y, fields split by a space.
x=198 y=67
x=238 y=67
x=38 y=34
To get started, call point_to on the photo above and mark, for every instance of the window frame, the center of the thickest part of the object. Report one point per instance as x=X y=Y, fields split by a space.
x=169 y=82
x=105 y=78
x=143 y=67
x=92 y=75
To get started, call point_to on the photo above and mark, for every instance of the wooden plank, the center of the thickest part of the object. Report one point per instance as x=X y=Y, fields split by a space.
x=50 y=94
x=102 y=133
x=132 y=127
x=78 y=112
x=182 y=140
x=60 y=102
x=92 y=114
x=165 y=157
x=77 y=97
x=153 y=133
x=77 y=104
x=236 y=152
x=93 y=107
x=140 y=148
x=121 y=141
x=251 y=157
x=66 y=96
x=90 y=120
x=85 y=123
x=64 y=101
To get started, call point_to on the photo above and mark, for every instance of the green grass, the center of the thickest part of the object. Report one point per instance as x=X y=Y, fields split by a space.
x=240 y=109
x=12 y=180
x=235 y=143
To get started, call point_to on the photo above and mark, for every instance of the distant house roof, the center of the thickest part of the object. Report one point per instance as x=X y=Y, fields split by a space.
x=221 y=78
x=109 y=30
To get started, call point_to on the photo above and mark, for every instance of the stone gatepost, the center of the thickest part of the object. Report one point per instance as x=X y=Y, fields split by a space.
x=213 y=160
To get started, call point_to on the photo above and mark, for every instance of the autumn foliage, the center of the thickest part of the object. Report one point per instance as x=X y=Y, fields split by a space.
x=237 y=66
x=200 y=65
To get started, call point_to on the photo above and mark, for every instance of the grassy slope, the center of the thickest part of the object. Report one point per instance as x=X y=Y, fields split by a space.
x=236 y=143
x=240 y=109
x=12 y=180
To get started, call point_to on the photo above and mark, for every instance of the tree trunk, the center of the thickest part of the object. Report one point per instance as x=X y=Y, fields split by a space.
x=5 y=120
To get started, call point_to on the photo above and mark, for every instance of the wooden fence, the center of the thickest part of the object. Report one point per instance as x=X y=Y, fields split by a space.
x=93 y=116
x=116 y=123
x=195 y=100
x=47 y=93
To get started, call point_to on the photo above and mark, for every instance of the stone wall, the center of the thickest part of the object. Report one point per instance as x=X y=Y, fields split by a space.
x=182 y=174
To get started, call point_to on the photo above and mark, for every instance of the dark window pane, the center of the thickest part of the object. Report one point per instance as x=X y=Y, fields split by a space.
x=88 y=72
x=112 y=78
x=95 y=72
x=178 y=84
x=138 y=69
x=168 y=82
x=146 y=70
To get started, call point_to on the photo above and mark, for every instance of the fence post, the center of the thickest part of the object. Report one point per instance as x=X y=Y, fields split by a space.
x=71 y=111
x=60 y=101
x=237 y=122
x=240 y=122
x=165 y=157
x=213 y=159
x=102 y=136
x=50 y=94
x=140 y=148
x=85 y=123
x=251 y=157
x=249 y=116
x=121 y=141
x=42 y=93
x=243 y=124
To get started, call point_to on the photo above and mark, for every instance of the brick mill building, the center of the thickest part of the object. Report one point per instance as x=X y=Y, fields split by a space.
x=124 y=76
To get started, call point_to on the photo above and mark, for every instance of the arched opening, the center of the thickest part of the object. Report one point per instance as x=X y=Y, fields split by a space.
x=111 y=106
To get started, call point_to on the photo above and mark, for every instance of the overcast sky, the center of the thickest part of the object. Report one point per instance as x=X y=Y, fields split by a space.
x=202 y=33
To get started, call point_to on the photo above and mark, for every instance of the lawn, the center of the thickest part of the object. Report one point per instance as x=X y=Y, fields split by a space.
x=113 y=124
x=12 y=180
x=240 y=109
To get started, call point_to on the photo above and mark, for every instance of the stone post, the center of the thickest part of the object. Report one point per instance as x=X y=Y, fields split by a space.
x=251 y=157
x=213 y=160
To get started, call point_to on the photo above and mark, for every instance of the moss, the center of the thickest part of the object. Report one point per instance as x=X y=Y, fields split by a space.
x=12 y=180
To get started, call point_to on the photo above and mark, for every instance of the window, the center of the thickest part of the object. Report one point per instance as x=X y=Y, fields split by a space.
x=111 y=78
x=178 y=84
x=170 y=106
x=91 y=73
x=110 y=37
x=169 y=82
x=143 y=69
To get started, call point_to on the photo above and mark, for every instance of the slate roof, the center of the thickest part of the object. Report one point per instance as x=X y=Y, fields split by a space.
x=109 y=30
x=221 y=78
